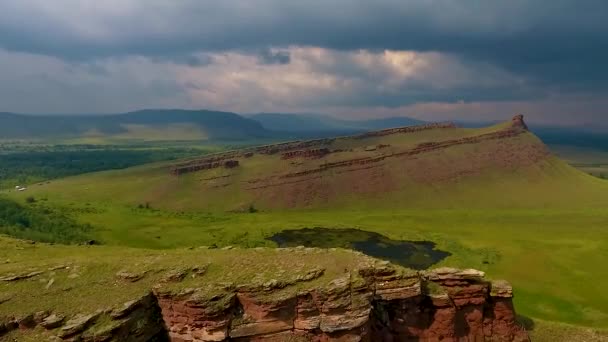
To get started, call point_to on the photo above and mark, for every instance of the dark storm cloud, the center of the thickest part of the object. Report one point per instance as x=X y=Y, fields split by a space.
x=551 y=46
x=267 y=56
x=555 y=40
x=184 y=59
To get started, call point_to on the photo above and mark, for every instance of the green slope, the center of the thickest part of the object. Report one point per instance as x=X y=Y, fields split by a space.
x=493 y=173
x=497 y=205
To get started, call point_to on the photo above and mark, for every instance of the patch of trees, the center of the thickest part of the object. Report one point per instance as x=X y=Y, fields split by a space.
x=37 y=222
x=29 y=167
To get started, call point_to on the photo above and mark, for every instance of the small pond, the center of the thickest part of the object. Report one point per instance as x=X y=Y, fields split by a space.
x=417 y=255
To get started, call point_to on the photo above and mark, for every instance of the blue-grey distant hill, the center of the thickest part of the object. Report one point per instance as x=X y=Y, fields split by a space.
x=214 y=124
x=217 y=125
x=318 y=125
x=578 y=136
x=323 y=124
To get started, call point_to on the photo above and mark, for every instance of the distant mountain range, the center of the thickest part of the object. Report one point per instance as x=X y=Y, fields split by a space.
x=433 y=166
x=323 y=124
x=311 y=125
x=176 y=124
x=185 y=125
x=153 y=124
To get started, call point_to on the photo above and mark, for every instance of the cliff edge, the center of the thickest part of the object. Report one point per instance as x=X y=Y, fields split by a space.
x=99 y=293
x=368 y=304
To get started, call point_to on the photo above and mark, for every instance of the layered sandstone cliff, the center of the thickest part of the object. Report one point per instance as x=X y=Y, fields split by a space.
x=293 y=149
x=376 y=302
x=368 y=304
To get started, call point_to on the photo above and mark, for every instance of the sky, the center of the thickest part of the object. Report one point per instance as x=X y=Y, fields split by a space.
x=428 y=59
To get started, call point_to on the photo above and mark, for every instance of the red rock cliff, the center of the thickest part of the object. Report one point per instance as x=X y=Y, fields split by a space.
x=377 y=302
x=368 y=304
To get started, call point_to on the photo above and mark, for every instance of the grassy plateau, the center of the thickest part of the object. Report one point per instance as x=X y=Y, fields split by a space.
x=505 y=206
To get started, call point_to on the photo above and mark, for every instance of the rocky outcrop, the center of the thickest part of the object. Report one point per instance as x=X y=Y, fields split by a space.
x=21 y=276
x=138 y=320
x=294 y=145
x=518 y=122
x=319 y=148
x=369 y=304
x=377 y=302
x=312 y=153
x=206 y=165
x=229 y=164
x=408 y=129
x=291 y=149
x=419 y=149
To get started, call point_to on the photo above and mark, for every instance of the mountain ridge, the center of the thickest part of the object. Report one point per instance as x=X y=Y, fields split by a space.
x=433 y=165
x=297 y=122
x=209 y=124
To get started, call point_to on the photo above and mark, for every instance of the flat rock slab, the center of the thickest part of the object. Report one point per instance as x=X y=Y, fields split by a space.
x=128 y=276
x=77 y=324
x=21 y=276
x=53 y=321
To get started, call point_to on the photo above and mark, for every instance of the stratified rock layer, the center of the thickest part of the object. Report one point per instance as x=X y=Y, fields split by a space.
x=375 y=302
x=369 y=304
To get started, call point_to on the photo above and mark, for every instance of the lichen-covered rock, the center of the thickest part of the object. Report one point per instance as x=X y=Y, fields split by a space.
x=21 y=276
x=501 y=288
x=41 y=316
x=130 y=306
x=448 y=273
x=176 y=275
x=7 y=324
x=129 y=276
x=26 y=322
x=78 y=324
x=53 y=321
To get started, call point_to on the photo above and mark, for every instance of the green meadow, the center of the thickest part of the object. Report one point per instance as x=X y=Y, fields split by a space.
x=543 y=227
x=555 y=257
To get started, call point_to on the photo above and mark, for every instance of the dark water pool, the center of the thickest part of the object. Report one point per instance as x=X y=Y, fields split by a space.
x=417 y=255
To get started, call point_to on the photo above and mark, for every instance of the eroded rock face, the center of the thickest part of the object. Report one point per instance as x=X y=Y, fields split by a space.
x=378 y=302
x=138 y=320
x=312 y=153
x=369 y=304
x=307 y=149
x=531 y=155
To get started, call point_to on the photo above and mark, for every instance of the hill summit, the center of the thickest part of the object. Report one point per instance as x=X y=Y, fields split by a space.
x=397 y=162
x=434 y=165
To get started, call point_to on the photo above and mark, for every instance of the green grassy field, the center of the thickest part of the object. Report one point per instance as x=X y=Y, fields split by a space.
x=82 y=279
x=588 y=160
x=554 y=258
x=543 y=225
x=85 y=277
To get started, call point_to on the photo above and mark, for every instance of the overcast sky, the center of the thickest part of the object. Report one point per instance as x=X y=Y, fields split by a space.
x=430 y=59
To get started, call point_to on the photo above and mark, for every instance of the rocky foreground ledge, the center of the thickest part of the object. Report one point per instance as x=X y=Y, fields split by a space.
x=368 y=304
x=264 y=294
